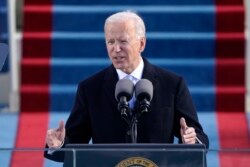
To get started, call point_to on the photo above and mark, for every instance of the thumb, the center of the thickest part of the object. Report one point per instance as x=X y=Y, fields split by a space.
x=183 y=123
x=61 y=126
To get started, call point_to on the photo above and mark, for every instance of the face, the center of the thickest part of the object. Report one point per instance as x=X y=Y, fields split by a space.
x=123 y=45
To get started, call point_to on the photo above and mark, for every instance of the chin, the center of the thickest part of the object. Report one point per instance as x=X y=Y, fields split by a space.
x=119 y=66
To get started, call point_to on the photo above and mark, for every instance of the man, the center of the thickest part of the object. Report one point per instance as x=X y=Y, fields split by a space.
x=95 y=114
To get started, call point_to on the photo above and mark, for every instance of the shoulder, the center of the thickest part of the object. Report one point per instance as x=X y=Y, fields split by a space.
x=164 y=78
x=161 y=73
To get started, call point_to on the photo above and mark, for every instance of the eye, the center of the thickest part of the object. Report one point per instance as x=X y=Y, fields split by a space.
x=124 y=41
x=110 y=42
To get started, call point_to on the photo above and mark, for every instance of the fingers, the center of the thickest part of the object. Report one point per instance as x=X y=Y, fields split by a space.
x=188 y=134
x=54 y=143
x=183 y=124
x=55 y=137
x=52 y=140
x=60 y=132
x=61 y=126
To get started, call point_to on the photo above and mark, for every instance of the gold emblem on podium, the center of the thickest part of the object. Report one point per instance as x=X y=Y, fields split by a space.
x=136 y=162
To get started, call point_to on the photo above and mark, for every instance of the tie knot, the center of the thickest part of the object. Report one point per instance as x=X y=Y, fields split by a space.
x=131 y=78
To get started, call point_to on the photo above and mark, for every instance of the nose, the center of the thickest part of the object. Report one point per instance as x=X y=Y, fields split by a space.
x=117 y=47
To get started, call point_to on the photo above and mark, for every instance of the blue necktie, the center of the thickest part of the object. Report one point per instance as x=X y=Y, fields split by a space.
x=132 y=100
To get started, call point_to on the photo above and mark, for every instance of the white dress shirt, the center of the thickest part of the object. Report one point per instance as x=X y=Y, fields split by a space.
x=135 y=76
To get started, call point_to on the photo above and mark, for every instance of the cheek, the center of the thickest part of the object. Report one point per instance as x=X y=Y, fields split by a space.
x=109 y=50
x=135 y=48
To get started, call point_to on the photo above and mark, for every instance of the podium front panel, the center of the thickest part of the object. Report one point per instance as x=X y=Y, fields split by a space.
x=135 y=155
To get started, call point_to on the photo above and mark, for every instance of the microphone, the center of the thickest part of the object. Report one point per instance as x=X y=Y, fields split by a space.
x=3 y=54
x=144 y=94
x=123 y=93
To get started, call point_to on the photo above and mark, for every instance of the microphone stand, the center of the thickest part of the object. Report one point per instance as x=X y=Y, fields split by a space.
x=131 y=116
x=133 y=128
x=144 y=107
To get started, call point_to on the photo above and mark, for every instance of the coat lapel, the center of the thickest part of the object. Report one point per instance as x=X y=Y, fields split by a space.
x=149 y=72
x=110 y=80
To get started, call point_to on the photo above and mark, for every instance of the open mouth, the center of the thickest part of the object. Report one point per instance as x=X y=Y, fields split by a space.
x=119 y=58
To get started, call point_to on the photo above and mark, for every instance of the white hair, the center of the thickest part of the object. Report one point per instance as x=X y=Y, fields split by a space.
x=128 y=15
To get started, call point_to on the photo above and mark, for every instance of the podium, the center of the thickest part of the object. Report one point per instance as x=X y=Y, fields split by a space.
x=135 y=155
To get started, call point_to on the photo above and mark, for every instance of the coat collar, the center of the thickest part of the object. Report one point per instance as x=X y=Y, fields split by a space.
x=110 y=80
x=149 y=71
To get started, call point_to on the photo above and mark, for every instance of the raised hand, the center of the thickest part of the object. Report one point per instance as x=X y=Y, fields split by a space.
x=55 y=137
x=188 y=134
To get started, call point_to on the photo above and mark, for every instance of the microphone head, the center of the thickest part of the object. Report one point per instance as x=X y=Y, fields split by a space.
x=124 y=87
x=144 y=89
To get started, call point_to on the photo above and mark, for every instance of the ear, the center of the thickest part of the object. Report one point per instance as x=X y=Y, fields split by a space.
x=142 y=44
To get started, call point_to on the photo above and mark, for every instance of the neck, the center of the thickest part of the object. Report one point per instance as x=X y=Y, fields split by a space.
x=135 y=65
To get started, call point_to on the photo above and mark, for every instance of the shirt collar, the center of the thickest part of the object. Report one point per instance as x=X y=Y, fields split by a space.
x=137 y=73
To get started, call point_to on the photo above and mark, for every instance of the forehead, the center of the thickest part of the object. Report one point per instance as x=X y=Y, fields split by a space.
x=120 y=28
